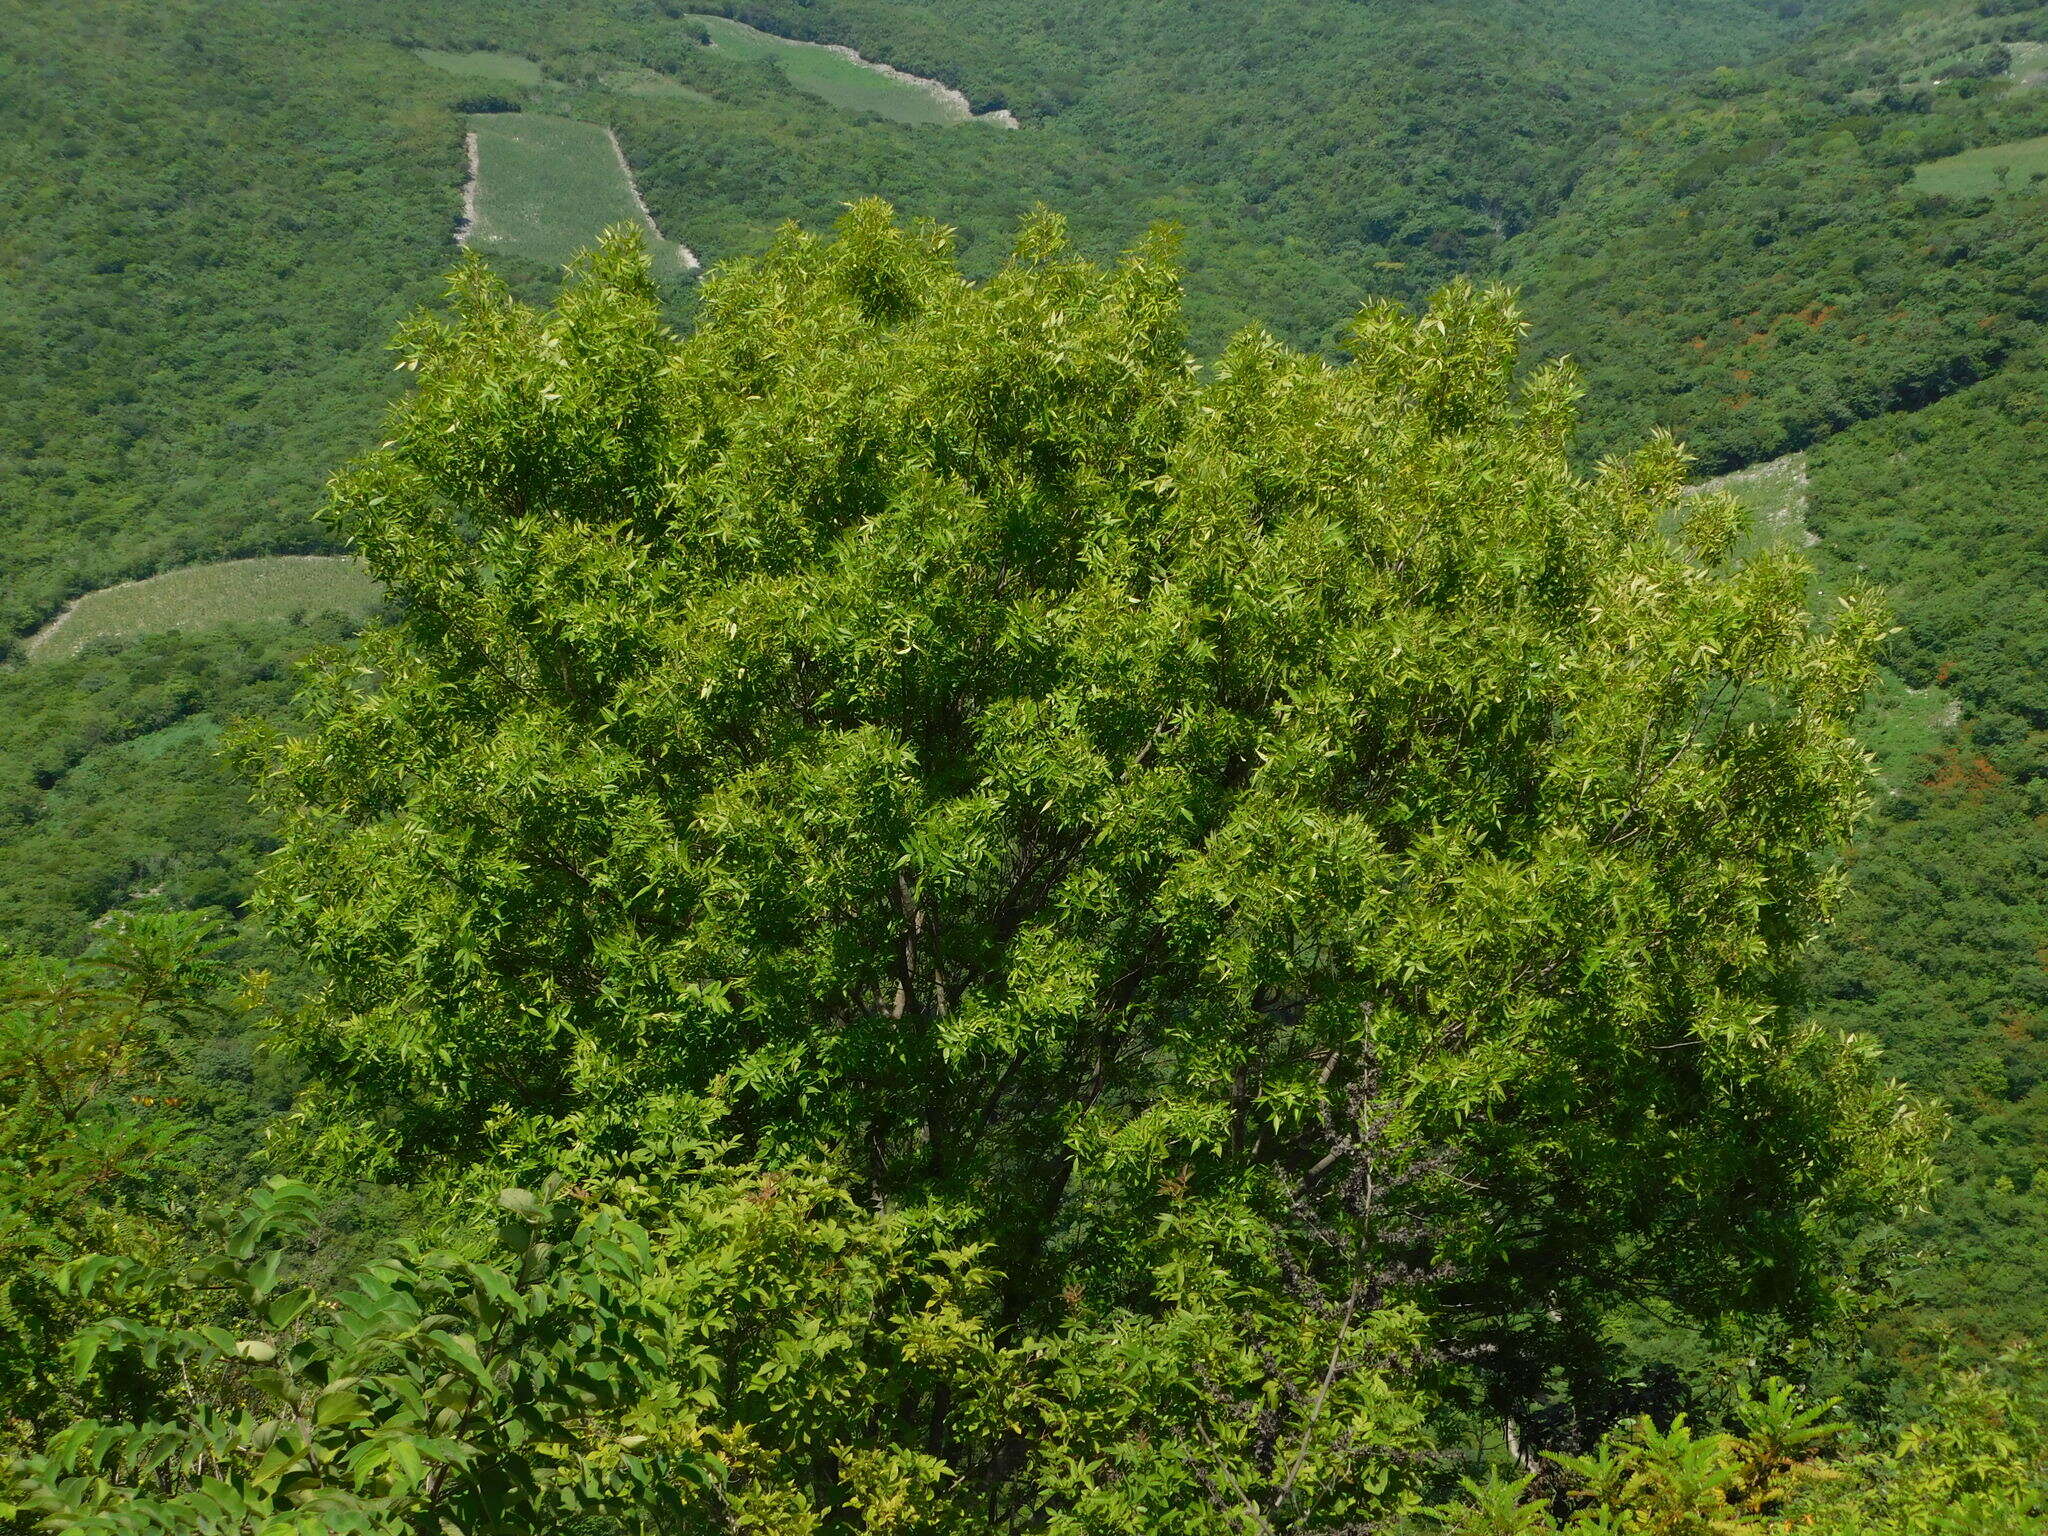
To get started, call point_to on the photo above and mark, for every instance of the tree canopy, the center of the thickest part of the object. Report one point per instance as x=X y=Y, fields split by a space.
x=947 y=906
x=1280 y=829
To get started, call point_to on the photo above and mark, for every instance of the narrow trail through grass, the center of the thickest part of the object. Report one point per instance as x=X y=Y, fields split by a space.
x=466 y=224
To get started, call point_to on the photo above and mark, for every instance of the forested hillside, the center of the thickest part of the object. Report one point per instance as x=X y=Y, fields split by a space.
x=217 y=210
x=214 y=214
x=1756 y=265
x=962 y=888
x=1943 y=949
x=1768 y=266
x=1405 y=143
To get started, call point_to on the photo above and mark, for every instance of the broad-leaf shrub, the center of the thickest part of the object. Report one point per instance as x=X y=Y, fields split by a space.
x=1972 y=1462
x=89 y=1129
x=431 y=1393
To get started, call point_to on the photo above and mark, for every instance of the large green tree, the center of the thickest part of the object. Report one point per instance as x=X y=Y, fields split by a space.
x=1274 y=839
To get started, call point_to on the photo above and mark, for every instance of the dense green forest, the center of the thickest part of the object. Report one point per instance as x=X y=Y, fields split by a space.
x=1943 y=950
x=946 y=899
x=1401 y=143
x=206 y=241
x=218 y=210
x=1752 y=264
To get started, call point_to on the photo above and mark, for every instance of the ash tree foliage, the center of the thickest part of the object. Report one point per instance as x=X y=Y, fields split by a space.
x=1971 y=1464
x=1293 y=888
x=93 y=1143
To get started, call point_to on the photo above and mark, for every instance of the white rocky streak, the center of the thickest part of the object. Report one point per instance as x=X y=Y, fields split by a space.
x=467 y=223
x=690 y=261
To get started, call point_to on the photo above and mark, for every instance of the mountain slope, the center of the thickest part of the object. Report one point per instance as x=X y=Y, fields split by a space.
x=1374 y=131
x=214 y=213
x=1753 y=264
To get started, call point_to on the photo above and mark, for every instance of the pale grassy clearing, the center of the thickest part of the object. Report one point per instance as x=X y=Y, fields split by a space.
x=483 y=64
x=546 y=186
x=840 y=76
x=269 y=588
x=1775 y=494
x=1897 y=725
x=1986 y=170
x=652 y=82
x=2029 y=64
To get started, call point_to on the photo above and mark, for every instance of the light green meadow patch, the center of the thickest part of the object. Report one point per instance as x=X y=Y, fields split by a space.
x=2029 y=64
x=272 y=588
x=1775 y=494
x=548 y=186
x=500 y=68
x=652 y=82
x=192 y=731
x=1981 y=172
x=832 y=75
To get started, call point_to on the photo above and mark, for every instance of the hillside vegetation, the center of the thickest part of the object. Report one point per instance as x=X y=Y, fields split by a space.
x=957 y=888
x=111 y=784
x=1941 y=949
x=1374 y=132
x=216 y=210
x=1031 y=999
x=214 y=214
x=1788 y=261
x=1760 y=265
